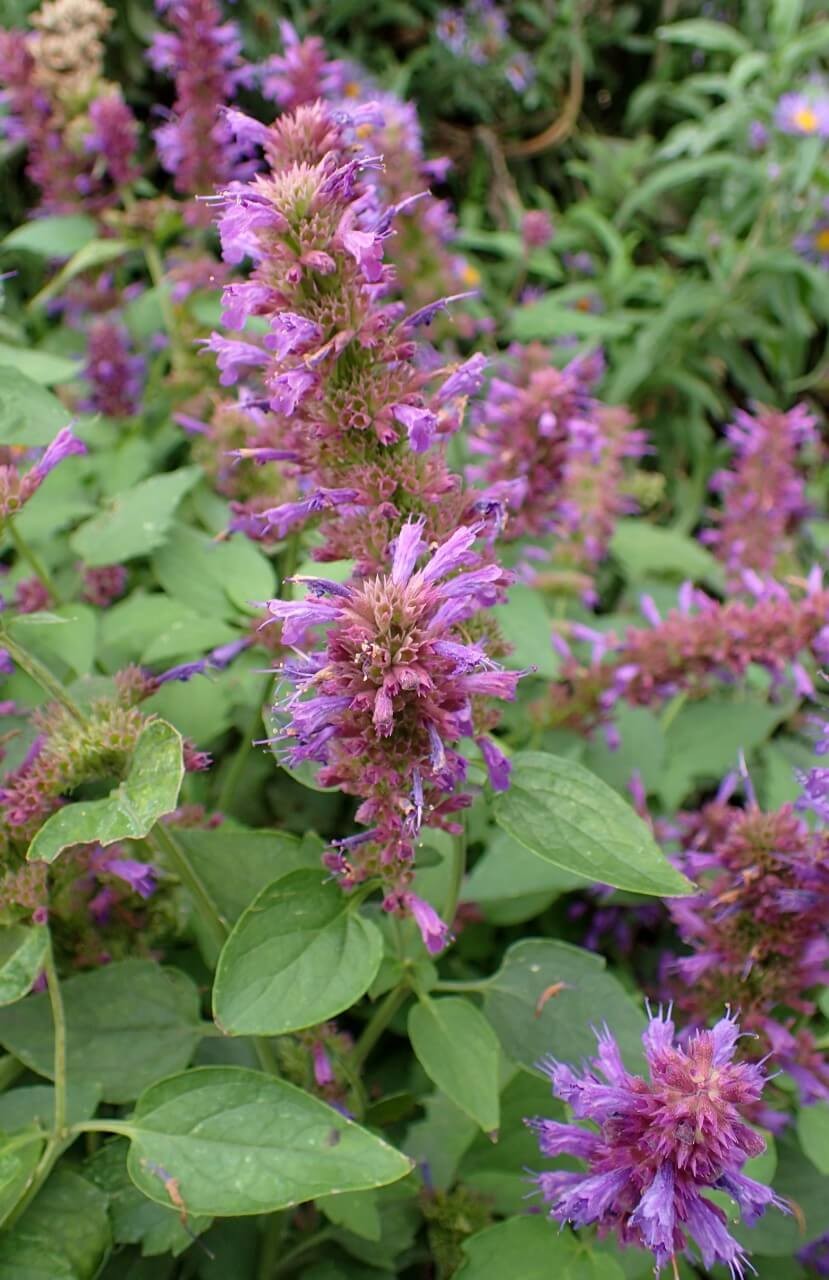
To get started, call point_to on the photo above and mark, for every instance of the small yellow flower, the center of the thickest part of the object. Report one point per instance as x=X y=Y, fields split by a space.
x=805 y=119
x=822 y=240
x=470 y=275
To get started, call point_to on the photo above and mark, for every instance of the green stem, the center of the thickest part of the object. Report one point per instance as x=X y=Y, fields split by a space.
x=376 y=1025
x=165 y=842
x=40 y=674
x=60 y=1136
x=59 y=1023
x=103 y=1126
x=237 y=764
x=155 y=267
x=23 y=549
x=458 y=871
x=286 y=1263
x=272 y=1234
x=449 y=985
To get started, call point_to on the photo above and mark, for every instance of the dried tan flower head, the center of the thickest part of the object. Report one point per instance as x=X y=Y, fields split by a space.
x=67 y=47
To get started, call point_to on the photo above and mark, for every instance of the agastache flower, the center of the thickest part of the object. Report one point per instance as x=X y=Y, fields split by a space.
x=382 y=708
x=17 y=489
x=763 y=491
x=655 y=1145
x=115 y=375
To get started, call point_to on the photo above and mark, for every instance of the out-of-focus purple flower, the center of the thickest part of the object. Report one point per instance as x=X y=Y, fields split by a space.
x=114 y=374
x=581 y=263
x=16 y=489
x=806 y=115
x=452 y=31
x=815 y=1255
x=31 y=596
x=140 y=876
x=758 y=135
x=656 y=1145
x=813 y=245
x=433 y=931
x=102 y=585
x=763 y=491
x=64 y=445
x=6 y=663
x=323 y=1071
x=113 y=137
x=537 y=228
x=519 y=71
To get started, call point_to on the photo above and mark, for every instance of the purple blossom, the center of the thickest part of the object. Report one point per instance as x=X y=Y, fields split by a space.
x=435 y=934
x=659 y=1143
x=233 y=356
x=64 y=445
x=420 y=425
x=805 y=115
x=140 y=876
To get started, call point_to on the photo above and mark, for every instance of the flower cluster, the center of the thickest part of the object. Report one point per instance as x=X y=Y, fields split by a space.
x=762 y=492
x=80 y=135
x=16 y=487
x=381 y=709
x=197 y=145
x=757 y=927
x=479 y=33
x=654 y=1146
x=557 y=452
x=357 y=410
x=114 y=373
x=815 y=781
x=803 y=114
x=699 y=642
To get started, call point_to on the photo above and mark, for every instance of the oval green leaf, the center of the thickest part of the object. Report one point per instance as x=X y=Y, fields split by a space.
x=22 y=956
x=561 y=811
x=239 y=1142
x=458 y=1050
x=149 y=790
x=300 y=954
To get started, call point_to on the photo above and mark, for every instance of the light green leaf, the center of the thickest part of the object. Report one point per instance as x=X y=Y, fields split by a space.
x=214 y=578
x=560 y=811
x=533 y=1248
x=239 y=1142
x=127 y=1023
x=300 y=954
x=813 y=1132
x=549 y=318
x=96 y=253
x=646 y=549
x=527 y=627
x=149 y=790
x=706 y=738
x=546 y=998
x=63 y=1235
x=705 y=33
x=57 y=237
x=22 y=956
x=680 y=172
x=356 y=1211
x=29 y=414
x=458 y=1050
x=136 y=521
x=34 y=1104
x=43 y=367
x=66 y=632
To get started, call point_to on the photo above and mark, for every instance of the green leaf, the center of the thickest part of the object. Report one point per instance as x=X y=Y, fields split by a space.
x=22 y=956
x=645 y=549
x=96 y=253
x=300 y=954
x=560 y=811
x=67 y=633
x=213 y=577
x=704 y=33
x=512 y=884
x=149 y=790
x=538 y=1249
x=127 y=1024
x=498 y=1170
x=57 y=237
x=458 y=1050
x=19 y=1156
x=680 y=172
x=134 y=1218
x=239 y=1142
x=34 y=1104
x=813 y=1132
x=43 y=367
x=356 y=1211
x=546 y=998
x=235 y=865
x=136 y=522
x=29 y=414
x=706 y=738
x=63 y=1235
x=527 y=627
x=549 y=318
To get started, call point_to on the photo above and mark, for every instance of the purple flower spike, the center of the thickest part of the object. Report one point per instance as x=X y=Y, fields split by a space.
x=660 y=1144
x=64 y=445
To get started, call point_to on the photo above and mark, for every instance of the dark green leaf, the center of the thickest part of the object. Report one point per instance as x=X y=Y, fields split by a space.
x=127 y=1024
x=235 y=865
x=149 y=790
x=546 y=998
x=299 y=954
x=560 y=811
x=704 y=33
x=238 y=1142
x=813 y=1132
x=134 y=1218
x=63 y=1235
